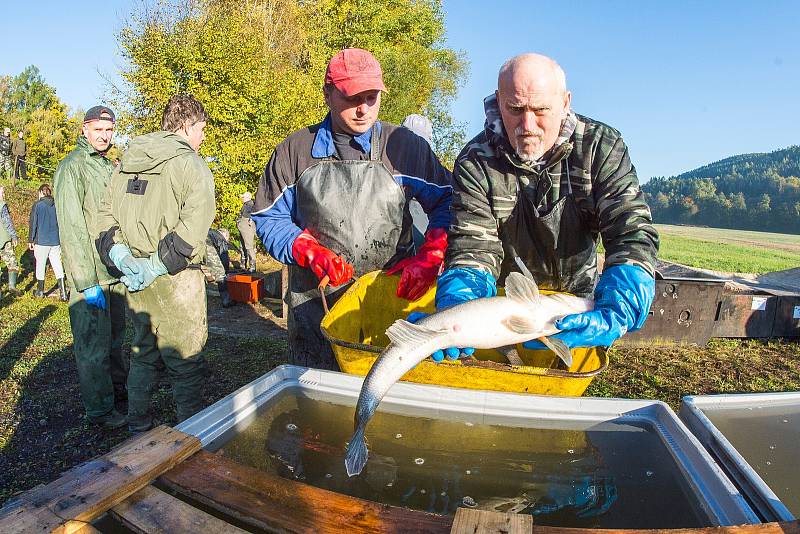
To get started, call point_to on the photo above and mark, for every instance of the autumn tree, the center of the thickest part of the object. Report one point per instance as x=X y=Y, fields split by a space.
x=29 y=104
x=258 y=67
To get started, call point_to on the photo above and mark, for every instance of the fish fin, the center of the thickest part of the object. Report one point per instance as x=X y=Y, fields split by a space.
x=357 y=453
x=510 y=353
x=559 y=347
x=520 y=324
x=522 y=289
x=402 y=332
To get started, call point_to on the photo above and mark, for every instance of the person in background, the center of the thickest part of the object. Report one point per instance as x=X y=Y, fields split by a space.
x=97 y=300
x=247 y=232
x=44 y=242
x=218 y=262
x=420 y=125
x=535 y=192
x=153 y=224
x=6 y=161
x=8 y=241
x=19 y=149
x=333 y=203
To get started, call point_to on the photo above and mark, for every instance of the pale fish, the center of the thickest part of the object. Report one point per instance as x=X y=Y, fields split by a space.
x=487 y=323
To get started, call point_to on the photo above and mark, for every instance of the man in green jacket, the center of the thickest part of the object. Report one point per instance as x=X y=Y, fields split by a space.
x=535 y=192
x=97 y=299
x=155 y=217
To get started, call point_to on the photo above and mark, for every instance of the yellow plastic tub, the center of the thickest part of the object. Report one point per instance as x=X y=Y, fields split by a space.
x=357 y=323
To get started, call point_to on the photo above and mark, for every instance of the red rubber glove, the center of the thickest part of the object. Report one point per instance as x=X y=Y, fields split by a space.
x=307 y=251
x=420 y=271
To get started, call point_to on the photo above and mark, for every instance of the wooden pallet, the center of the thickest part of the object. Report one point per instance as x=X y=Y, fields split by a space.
x=162 y=482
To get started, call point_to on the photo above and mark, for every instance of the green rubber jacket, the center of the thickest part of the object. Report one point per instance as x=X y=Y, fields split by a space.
x=79 y=183
x=161 y=199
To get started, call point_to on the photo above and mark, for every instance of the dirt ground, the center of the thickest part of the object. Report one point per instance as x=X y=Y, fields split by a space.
x=246 y=320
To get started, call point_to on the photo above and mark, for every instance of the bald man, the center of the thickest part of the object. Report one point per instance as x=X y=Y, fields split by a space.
x=535 y=192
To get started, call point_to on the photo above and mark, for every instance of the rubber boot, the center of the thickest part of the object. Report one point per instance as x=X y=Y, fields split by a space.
x=12 y=284
x=227 y=301
x=62 y=290
x=39 y=293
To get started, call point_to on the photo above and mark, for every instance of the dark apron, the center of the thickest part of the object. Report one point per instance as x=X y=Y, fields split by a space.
x=356 y=209
x=557 y=245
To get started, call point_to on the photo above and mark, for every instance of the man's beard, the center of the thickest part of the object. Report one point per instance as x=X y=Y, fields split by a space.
x=527 y=157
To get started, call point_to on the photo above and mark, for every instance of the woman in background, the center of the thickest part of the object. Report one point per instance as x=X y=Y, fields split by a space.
x=43 y=241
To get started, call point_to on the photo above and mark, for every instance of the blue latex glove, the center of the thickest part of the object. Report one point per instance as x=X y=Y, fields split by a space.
x=452 y=353
x=455 y=286
x=94 y=297
x=623 y=297
x=150 y=269
x=123 y=259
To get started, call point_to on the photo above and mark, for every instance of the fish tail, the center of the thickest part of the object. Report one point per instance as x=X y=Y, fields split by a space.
x=356 y=457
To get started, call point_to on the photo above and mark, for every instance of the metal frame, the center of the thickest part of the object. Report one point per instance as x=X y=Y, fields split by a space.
x=763 y=498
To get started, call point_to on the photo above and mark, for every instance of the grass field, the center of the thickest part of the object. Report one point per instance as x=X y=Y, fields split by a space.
x=720 y=249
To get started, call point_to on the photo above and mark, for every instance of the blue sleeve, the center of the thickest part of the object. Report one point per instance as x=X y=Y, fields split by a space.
x=5 y=215
x=434 y=199
x=276 y=228
x=33 y=224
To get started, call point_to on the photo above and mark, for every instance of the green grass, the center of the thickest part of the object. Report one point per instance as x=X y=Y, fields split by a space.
x=729 y=250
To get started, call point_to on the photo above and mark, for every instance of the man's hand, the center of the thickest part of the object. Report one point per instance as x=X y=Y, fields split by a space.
x=452 y=353
x=95 y=297
x=456 y=286
x=307 y=251
x=149 y=269
x=124 y=261
x=623 y=297
x=420 y=271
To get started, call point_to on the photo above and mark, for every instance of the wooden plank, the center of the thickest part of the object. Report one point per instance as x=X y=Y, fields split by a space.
x=85 y=492
x=271 y=503
x=153 y=511
x=471 y=521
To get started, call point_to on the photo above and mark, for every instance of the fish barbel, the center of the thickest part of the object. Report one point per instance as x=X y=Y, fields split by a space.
x=486 y=323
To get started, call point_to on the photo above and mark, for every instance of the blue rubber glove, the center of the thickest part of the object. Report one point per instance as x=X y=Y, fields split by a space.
x=150 y=269
x=623 y=297
x=123 y=259
x=455 y=286
x=452 y=353
x=94 y=297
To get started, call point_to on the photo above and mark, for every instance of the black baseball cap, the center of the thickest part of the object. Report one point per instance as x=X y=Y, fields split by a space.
x=97 y=113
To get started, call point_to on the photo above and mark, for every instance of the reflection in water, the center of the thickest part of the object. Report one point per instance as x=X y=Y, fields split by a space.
x=767 y=437
x=608 y=475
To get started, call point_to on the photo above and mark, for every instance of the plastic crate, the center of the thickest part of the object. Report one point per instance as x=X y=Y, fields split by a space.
x=245 y=288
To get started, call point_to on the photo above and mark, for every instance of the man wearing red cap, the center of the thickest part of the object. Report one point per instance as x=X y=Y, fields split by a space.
x=333 y=202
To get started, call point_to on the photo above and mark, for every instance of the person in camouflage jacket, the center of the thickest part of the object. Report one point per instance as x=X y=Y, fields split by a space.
x=536 y=191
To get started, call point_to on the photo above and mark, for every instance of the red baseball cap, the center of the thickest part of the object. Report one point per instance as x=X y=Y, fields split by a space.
x=353 y=71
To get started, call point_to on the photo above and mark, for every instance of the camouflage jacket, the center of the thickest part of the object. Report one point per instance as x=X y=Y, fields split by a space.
x=604 y=183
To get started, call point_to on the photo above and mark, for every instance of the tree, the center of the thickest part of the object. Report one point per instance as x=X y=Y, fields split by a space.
x=29 y=104
x=26 y=93
x=258 y=67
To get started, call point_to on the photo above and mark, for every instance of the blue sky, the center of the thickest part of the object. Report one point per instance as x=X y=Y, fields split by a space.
x=686 y=82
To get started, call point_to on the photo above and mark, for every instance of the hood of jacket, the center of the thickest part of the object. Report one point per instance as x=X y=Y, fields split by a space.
x=148 y=153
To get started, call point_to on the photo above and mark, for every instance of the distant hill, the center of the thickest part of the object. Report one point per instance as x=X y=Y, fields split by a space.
x=748 y=191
